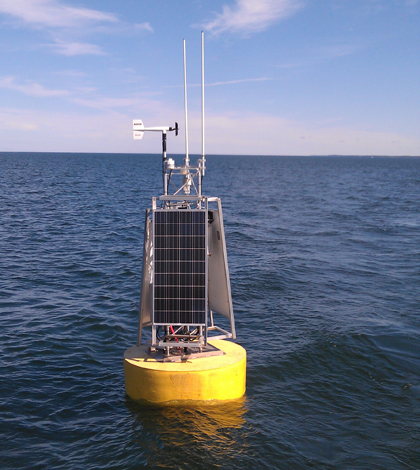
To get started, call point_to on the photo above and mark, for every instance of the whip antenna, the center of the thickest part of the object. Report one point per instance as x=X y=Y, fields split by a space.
x=202 y=161
x=202 y=98
x=187 y=158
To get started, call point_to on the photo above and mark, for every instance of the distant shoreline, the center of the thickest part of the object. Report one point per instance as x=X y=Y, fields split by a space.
x=5 y=152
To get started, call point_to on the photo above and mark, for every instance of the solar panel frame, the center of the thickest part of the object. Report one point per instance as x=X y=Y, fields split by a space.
x=180 y=267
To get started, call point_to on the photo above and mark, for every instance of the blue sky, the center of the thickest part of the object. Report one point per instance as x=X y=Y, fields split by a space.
x=284 y=77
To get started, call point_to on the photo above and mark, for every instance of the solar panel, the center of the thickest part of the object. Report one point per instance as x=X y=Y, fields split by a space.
x=180 y=261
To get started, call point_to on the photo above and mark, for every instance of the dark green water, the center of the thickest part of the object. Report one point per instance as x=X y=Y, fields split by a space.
x=324 y=255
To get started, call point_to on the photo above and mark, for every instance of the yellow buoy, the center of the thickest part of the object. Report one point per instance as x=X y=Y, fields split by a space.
x=220 y=377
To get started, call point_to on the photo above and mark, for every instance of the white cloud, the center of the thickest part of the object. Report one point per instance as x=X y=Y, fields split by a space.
x=273 y=135
x=108 y=103
x=78 y=96
x=227 y=82
x=72 y=73
x=263 y=134
x=321 y=54
x=110 y=131
x=53 y=13
x=77 y=48
x=144 y=26
x=65 y=22
x=335 y=50
x=243 y=80
x=16 y=119
x=52 y=131
x=250 y=16
x=30 y=89
x=56 y=131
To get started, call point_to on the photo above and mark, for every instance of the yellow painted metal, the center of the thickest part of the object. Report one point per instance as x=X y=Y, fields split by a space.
x=208 y=378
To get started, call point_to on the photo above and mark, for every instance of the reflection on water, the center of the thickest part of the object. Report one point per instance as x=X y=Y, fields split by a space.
x=217 y=429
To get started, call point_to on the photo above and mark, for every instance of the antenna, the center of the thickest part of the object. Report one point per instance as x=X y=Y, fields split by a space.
x=187 y=158
x=202 y=95
x=202 y=162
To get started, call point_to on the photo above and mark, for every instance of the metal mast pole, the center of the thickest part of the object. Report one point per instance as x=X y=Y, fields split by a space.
x=165 y=176
x=203 y=158
x=187 y=158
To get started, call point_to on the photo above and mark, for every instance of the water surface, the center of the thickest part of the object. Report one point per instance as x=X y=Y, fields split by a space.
x=325 y=271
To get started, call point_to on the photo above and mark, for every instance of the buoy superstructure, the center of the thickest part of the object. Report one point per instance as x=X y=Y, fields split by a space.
x=185 y=288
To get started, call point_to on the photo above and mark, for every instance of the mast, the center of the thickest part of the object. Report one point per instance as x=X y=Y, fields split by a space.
x=202 y=162
x=187 y=158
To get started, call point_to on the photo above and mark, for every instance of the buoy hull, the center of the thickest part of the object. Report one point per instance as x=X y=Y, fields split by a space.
x=210 y=378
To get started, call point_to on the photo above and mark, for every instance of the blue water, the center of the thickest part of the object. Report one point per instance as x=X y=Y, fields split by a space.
x=324 y=255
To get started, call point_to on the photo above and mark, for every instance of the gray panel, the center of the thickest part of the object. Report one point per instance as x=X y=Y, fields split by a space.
x=147 y=285
x=219 y=293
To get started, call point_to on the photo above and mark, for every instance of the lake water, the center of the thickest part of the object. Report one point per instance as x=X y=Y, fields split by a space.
x=324 y=256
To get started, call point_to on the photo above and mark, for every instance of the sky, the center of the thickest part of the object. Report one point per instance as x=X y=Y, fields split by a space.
x=283 y=77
